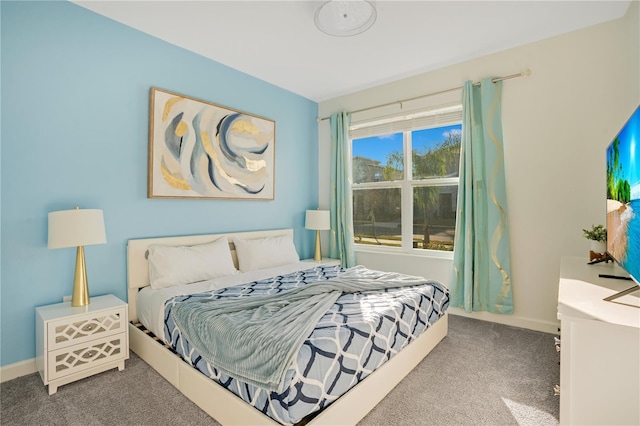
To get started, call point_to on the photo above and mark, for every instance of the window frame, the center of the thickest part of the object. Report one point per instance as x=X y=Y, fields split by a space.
x=406 y=185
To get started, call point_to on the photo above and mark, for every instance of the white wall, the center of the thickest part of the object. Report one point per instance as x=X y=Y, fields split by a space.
x=556 y=123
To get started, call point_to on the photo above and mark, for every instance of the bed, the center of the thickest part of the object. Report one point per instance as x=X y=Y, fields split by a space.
x=168 y=356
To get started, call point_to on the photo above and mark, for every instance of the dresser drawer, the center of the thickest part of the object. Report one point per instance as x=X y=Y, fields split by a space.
x=85 y=328
x=77 y=358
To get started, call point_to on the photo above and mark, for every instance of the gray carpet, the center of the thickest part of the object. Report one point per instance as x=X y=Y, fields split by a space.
x=482 y=373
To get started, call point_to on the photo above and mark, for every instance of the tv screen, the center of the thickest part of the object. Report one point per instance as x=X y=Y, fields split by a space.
x=623 y=197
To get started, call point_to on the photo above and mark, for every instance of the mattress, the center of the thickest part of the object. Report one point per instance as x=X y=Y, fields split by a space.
x=359 y=333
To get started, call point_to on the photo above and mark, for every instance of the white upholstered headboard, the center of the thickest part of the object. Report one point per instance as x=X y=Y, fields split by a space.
x=138 y=268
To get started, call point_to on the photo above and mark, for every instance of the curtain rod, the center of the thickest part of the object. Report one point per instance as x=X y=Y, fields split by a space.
x=526 y=73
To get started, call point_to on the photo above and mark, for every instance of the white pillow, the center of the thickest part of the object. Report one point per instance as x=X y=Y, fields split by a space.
x=171 y=266
x=262 y=253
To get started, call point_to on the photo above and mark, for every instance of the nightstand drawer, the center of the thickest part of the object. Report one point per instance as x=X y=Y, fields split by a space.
x=77 y=358
x=85 y=328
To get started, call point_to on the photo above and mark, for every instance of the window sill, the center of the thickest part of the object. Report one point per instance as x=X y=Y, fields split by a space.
x=434 y=254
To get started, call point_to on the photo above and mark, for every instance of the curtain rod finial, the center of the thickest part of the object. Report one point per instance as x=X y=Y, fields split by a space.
x=526 y=72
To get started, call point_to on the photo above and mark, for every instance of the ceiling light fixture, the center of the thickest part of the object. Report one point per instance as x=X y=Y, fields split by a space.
x=343 y=18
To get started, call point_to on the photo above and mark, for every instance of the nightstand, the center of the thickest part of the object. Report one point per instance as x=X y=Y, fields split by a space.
x=323 y=262
x=74 y=343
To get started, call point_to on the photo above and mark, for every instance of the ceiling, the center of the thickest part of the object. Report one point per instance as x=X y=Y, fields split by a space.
x=277 y=41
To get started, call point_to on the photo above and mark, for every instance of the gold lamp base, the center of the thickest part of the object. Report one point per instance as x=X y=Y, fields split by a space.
x=80 y=296
x=317 y=256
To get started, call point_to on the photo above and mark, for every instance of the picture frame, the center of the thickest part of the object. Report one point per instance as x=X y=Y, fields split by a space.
x=201 y=150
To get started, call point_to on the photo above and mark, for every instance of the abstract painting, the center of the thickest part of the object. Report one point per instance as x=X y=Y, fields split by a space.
x=198 y=149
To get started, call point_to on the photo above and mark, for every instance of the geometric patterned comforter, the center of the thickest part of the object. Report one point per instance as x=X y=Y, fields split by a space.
x=358 y=334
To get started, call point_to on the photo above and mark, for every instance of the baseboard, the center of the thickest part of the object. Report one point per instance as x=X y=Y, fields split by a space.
x=528 y=323
x=18 y=369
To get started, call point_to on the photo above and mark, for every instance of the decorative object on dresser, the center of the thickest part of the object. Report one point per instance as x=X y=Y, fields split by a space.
x=597 y=237
x=317 y=220
x=76 y=342
x=198 y=149
x=77 y=228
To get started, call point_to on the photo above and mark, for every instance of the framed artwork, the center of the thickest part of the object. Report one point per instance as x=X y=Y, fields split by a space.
x=198 y=149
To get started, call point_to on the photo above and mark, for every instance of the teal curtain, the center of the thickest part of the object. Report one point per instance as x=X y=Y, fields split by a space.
x=481 y=261
x=341 y=236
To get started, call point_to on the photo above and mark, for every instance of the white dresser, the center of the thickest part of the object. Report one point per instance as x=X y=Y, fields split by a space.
x=74 y=343
x=600 y=347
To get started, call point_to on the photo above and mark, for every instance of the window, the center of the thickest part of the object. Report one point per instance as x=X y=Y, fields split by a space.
x=405 y=181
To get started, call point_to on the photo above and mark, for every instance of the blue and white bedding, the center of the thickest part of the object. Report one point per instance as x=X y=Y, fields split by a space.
x=357 y=334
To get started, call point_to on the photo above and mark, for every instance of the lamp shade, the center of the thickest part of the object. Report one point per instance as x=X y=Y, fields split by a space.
x=317 y=219
x=78 y=227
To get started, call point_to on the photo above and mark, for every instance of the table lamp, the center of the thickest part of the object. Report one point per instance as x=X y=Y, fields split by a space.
x=320 y=221
x=77 y=228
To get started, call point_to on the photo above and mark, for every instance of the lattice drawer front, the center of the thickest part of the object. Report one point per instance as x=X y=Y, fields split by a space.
x=81 y=329
x=78 y=358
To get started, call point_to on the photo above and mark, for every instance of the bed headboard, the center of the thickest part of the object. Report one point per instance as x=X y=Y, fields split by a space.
x=138 y=268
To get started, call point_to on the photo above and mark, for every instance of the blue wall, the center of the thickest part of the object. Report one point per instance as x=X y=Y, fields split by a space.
x=75 y=113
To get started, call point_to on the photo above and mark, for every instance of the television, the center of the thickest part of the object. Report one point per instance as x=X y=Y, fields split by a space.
x=623 y=201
